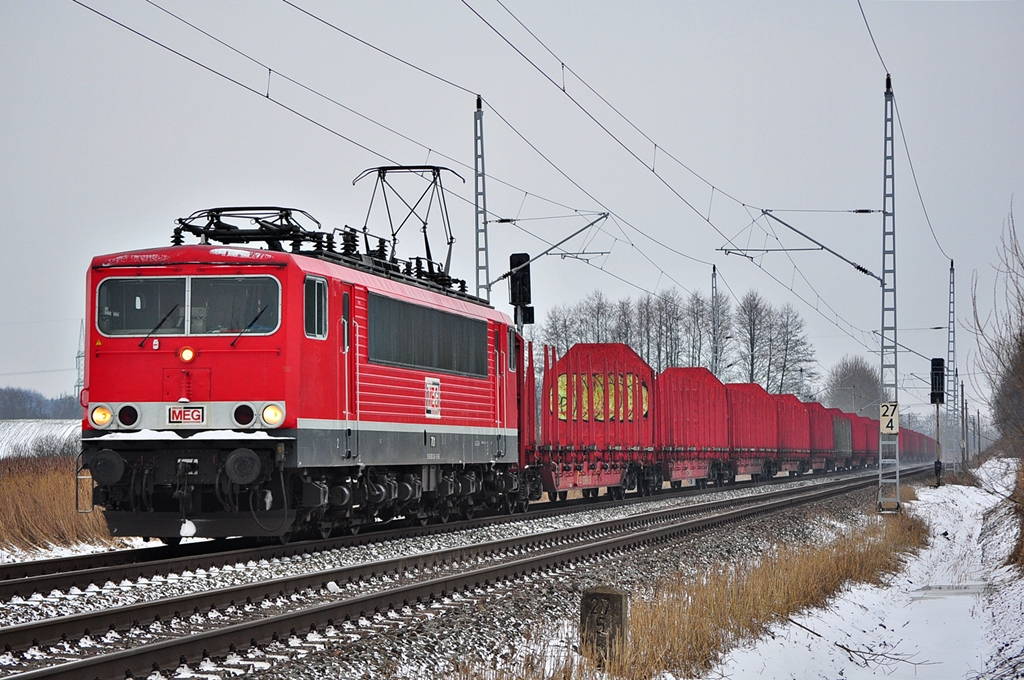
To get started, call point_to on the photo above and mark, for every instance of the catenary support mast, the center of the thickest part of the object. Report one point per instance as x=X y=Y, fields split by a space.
x=889 y=444
x=483 y=268
x=952 y=378
x=716 y=340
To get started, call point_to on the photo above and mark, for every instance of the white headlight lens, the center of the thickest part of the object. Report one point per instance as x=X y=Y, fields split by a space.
x=272 y=415
x=101 y=416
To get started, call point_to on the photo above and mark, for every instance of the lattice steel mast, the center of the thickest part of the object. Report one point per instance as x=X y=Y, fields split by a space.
x=716 y=340
x=952 y=379
x=80 y=362
x=888 y=444
x=483 y=268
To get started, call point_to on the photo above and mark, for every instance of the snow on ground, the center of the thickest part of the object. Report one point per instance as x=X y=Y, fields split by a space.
x=39 y=437
x=954 y=612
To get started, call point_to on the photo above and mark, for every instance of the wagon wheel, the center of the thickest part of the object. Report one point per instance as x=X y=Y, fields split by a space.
x=444 y=513
x=562 y=495
x=469 y=512
x=553 y=496
x=523 y=505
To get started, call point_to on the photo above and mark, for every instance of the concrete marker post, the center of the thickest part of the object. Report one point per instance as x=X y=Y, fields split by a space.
x=604 y=623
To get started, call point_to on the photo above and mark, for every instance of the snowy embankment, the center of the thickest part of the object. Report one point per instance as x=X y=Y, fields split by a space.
x=954 y=612
x=39 y=437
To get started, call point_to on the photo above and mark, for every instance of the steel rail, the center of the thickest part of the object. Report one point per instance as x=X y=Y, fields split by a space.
x=219 y=641
x=44 y=576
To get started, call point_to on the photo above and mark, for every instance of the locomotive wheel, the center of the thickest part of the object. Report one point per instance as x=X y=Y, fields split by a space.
x=469 y=512
x=284 y=538
x=444 y=513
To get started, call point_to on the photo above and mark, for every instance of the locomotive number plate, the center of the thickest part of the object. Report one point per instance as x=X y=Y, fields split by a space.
x=186 y=415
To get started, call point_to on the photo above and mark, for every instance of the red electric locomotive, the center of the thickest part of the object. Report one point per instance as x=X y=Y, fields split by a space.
x=258 y=392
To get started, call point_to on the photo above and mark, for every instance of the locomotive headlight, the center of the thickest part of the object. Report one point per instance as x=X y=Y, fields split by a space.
x=186 y=354
x=272 y=414
x=101 y=416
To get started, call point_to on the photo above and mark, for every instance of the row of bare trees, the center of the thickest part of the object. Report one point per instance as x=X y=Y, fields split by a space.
x=755 y=342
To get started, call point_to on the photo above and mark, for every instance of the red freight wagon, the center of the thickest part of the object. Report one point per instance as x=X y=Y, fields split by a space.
x=794 y=433
x=691 y=425
x=753 y=430
x=597 y=424
x=907 y=443
x=872 y=426
x=822 y=436
x=858 y=440
x=842 y=431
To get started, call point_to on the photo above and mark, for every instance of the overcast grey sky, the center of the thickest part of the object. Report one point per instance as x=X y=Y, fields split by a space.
x=106 y=138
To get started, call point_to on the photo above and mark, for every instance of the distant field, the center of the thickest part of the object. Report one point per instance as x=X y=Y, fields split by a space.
x=19 y=438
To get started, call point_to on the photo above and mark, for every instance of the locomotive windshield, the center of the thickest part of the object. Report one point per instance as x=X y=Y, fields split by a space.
x=207 y=305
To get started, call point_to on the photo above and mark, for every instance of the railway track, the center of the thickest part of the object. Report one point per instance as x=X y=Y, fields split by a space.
x=218 y=622
x=24 y=579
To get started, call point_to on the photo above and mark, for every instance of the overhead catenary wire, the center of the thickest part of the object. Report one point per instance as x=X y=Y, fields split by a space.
x=378 y=154
x=651 y=168
x=572 y=181
x=903 y=134
x=328 y=98
x=266 y=95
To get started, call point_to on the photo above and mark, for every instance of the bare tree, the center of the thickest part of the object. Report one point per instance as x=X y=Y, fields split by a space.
x=720 y=340
x=645 y=331
x=854 y=386
x=793 y=357
x=697 y=330
x=596 y=317
x=624 y=327
x=1001 y=339
x=752 y=326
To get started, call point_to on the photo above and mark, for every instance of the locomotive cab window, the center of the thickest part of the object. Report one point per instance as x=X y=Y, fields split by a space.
x=232 y=304
x=196 y=305
x=316 y=307
x=141 y=306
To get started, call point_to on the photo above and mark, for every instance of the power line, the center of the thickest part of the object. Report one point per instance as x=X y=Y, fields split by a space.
x=651 y=167
x=331 y=130
x=920 y=197
x=872 y=36
x=601 y=125
x=354 y=112
x=52 y=370
x=903 y=134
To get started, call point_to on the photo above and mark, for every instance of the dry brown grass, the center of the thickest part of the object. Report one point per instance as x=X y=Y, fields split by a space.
x=1017 y=501
x=692 y=621
x=39 y=505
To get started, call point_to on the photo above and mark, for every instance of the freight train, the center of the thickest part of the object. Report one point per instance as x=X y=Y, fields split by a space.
x=237 y=390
